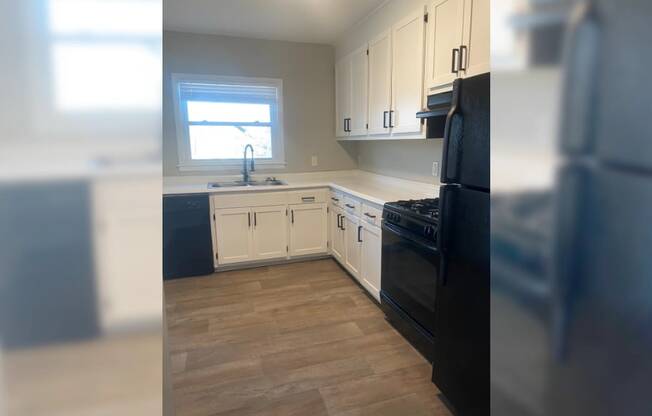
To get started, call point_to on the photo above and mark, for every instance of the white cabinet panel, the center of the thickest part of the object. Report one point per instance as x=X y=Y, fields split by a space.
x=407 y=73
x=445 y=23
x=336 y=234
x=476 y=55
x=353 y=249
x=359 y=85
x=343 y=84
x=234 y=235
x=308 y=229
x=371 y=259
x=380 y=83
x=270 y=232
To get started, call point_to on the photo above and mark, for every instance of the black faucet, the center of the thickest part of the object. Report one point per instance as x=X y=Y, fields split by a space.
x=245 y=173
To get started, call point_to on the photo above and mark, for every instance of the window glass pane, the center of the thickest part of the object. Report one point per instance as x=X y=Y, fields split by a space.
x=228 y=112
x=228 y=142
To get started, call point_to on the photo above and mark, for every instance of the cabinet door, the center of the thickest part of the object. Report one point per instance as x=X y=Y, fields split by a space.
x=353 y=247
x=270 y=232
x=337 y=235
x=380 y=83
x=407 y=73
x=476 y=58
x=445 y=22
x=234 y=235
x=359 y=85
x=371 y=259
x=308 y=229
x=343 y=75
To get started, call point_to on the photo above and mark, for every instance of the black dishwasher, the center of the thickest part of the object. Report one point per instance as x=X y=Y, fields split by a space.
x=187 y=243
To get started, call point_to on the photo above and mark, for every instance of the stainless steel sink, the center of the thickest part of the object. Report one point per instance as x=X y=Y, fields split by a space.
x=269 y=182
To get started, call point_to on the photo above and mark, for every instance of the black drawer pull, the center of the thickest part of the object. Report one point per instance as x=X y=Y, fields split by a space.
x=335 y=199
x=369 y=215
x=349 y=206
x=359 y=231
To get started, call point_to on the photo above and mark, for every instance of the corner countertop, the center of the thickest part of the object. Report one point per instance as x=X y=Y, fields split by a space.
x=365 y=185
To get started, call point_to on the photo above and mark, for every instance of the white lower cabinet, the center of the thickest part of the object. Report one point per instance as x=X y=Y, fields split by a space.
x=270 y=232
x=294 y=224
x=234 y=235
x=371 y=259
x=336 y=233
x=308 y=229
x=352 y=240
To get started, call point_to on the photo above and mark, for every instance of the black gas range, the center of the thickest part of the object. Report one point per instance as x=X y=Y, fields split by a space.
x=410 y=268
x=420 y=217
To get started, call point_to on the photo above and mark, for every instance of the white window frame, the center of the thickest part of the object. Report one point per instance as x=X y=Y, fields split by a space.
x=186 y=163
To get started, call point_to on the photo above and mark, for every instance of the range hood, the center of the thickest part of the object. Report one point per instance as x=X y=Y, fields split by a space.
x=435 y=116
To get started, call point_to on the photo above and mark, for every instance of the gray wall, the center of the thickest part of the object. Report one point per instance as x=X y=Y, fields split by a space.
x=409 y=159
x=308 y=93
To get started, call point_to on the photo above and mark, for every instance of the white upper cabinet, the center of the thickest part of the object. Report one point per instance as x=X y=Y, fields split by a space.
x=407 y=73
x=269 y=232
x=457 y=41
x=234 y=236
x=308 y=229
x=475 y=52
x=380 y=83
x=445 y=26
x=357 y=124
x=343 y=97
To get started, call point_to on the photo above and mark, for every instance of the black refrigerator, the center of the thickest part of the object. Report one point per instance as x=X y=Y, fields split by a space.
x=461 y=348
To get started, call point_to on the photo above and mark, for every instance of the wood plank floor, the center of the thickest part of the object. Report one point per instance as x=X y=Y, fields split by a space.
x=293 y=339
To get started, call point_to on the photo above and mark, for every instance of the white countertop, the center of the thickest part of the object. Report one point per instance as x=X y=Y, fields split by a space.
x=371 y=187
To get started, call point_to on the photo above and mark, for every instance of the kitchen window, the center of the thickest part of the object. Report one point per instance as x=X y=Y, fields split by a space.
x=218 y=116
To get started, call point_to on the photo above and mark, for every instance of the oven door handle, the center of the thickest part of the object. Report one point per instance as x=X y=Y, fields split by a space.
x=425 y=244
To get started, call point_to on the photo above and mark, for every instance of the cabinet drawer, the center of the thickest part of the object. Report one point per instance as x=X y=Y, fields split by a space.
x=249 y=199
x=308 y=196
x=337 y=199
x=352 y=205
x=371 y=213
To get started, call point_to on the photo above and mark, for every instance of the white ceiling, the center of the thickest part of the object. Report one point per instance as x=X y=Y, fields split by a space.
x=314 y=21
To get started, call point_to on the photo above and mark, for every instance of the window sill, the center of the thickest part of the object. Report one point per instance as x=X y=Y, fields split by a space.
x=221 y=167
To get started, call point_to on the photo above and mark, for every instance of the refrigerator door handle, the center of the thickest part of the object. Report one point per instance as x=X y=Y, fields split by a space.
x=453 y=146
x=452 y=125
x=444 y=233
x=581 y=54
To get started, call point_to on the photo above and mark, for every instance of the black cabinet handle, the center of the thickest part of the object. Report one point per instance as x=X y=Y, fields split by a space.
x=463 y=57
x=292 y=215
x=391 y=118
x=349 y=205
x=454 y=67
x=249 y=218
x=348 y=125
x=335 y=199
x=385 y=119
x=338 y=220
x=369 y=215
x=255 y=220
x=342 y=226
x=359 y=231
x=344 y=121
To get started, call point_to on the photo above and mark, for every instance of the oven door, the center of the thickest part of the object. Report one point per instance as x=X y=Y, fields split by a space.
x=410 y=266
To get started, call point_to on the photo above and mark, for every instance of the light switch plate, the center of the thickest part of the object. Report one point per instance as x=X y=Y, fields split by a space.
x=314 y=160
x=435 y=168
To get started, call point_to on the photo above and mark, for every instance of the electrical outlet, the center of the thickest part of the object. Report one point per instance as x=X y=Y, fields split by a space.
x=435 y=168
x=314 y=160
